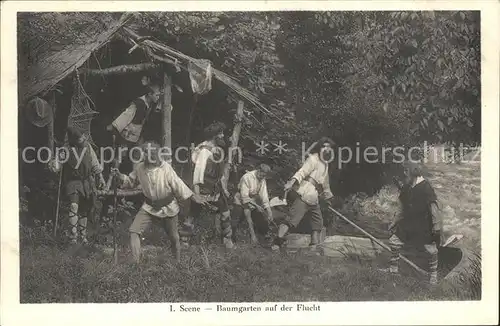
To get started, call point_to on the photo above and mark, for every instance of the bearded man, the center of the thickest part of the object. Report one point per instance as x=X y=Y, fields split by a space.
x=310 y=183
x=208 y=159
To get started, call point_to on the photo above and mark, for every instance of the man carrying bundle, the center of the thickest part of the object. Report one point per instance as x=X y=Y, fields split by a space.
x=310 y=183
x=129 y=130
x=208 y=159
x=419 y=223
x=80 y=172
x=252 y=196
x=161 y=186
x=130 y=123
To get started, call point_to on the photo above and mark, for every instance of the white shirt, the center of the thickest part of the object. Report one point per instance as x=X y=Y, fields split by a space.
x=316 y=169
x=417 y=181
x=158 y=183
x=250 y=189
x=200 y=161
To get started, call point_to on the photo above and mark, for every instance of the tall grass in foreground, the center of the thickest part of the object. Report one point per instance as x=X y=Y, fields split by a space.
x=210 y=273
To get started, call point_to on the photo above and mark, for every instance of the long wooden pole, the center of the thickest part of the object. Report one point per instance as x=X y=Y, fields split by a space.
x=115 y=204
x=406 y=260
x=167 y=112
x=51 y=145
x=238 y=119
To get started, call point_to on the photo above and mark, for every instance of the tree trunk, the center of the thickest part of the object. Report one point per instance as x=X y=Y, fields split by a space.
x=188 y=139
x=234 y=141
x=167 y=113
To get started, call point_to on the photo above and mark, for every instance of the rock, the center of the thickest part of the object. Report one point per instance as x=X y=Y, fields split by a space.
x=342 y=246
x=299 y=240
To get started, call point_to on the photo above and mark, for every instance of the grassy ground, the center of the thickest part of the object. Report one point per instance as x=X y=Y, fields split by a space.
x=210 y=273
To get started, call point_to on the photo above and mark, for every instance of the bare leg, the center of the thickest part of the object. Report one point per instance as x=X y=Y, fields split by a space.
x=218 y=228
x=173 y=235
x=135 y=246
x=187 y=229
x=248 y=216
x=141 y=222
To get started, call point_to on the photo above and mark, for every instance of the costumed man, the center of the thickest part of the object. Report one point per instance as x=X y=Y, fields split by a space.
x=129 y=124
x=208 y=159
x=161 y=187
x=129 y=130
x=419 y=222
x=310 y=183
x=81 y=172
x=251 y=197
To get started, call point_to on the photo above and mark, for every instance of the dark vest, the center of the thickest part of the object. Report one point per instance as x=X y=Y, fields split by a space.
x=73 y=171
x=213 y=170
x=140 y=112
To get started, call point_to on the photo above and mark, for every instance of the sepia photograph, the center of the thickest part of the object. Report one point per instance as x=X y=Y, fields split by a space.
x=246 y=157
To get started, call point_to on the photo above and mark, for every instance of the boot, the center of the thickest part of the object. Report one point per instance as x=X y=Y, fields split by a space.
x=277 y=243
x=314 y=238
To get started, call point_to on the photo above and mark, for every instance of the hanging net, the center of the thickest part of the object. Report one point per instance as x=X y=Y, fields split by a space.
x=82 y=113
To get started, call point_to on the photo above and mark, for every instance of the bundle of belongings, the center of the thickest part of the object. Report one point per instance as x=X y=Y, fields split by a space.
x=130 y=122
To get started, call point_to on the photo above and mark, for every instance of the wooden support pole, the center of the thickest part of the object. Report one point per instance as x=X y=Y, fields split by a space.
x=51 y=144
x=120 y=70
x=238 y=119
x=50 y=126
x=167 y=113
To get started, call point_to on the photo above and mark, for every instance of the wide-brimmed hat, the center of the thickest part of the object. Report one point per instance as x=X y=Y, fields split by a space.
x=39 y=112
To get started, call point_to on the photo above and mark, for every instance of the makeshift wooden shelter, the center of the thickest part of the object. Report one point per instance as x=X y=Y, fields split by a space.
x=61 y=76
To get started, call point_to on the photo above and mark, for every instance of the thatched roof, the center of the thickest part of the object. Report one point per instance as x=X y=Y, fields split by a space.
x=53 y=52
x=74 y=38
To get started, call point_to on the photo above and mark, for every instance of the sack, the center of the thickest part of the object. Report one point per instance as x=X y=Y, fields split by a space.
x=200 y=73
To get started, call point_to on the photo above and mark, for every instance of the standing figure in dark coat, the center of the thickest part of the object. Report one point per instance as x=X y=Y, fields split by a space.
x=419 y=223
